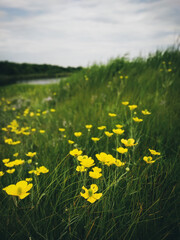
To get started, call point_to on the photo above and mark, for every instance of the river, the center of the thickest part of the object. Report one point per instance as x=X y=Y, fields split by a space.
x=41 y=81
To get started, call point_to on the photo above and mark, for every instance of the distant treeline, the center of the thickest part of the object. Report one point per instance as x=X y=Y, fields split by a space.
x=11 y=72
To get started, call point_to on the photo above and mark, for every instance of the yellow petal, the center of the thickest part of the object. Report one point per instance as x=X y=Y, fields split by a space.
x=94 y=188
x=91 y=200
x=11 y=190
x=97 y=195
x=23 y=195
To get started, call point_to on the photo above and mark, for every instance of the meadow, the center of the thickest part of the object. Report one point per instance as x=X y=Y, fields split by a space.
x=95 y=156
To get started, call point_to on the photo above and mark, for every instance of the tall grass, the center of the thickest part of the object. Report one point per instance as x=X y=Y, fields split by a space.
x=137 y=203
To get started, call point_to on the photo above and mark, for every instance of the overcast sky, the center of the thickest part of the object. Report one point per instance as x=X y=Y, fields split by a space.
x=81 y=32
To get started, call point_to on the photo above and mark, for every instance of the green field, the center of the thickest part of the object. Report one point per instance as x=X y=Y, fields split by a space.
x=115 y=189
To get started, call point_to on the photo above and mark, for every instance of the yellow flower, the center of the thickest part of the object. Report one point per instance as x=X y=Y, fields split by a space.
x=15 y=154
x=101 y=127
x=106 y=159
x=33 y=129
x=29 y=161
x=122 y=150
x=10 y=171
x=108 y=134
x=6 y=160
x=136 y=119
x=77 y=134
x=70 y=141
x=145 y=112
x=42 y=131
x=87 y=162
x=20 y=189
x=118 y=131
x=153 y=152
x=31 y=154
x=42 y=169
x=96 y=173
x=81 y=169
x=129 y=142
x=75 y=152
x=18 y=162
x=16 y=142
x=9 y=164
x=169 y=70
x=118 y=163
x=88 y=126
x=148 y=159
x=38 y=114
x=28 y=179
x=132 y=107
x=31 y=114
x=90 y=194
x=61 y=129
x=125 y=103
x=121 y=77
x=44 y=112
x=52 y=110
x=95 y=139
x=112 y=114
x=1 y=173
x=119 y=125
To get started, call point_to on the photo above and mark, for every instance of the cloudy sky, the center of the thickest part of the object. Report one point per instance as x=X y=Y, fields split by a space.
x=81 y=32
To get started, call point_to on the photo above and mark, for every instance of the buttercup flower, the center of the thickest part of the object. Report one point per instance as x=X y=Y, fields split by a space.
x=42 y=131
x=118 y=163
x=153 y=152
x=112 y=114
x=87 y=162
x=61 y=129
x=10 y=171
x=75 y=152
x=118 y=131
x=77 y=134
x=146 y=112
x=15 y=154
x=136 y=119
x=20 y=189
x=95 y=139
x=88 y=126
x=96 y=173
x=70 y=141
x=122 y=150
x=31 y=154
x=125 y=103
x=28 y=179
x=6 y=160
x=129 y=142
x=108 y=134
x=148 y=159
x=52 y=110
x=132 y=107
x=90 y=194
x=106 y=159
x=102 y=127
x=1 y=173
x=81 y=169
x=119 y=125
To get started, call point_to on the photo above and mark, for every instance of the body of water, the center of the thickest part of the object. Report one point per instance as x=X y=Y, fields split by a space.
x=41 y=81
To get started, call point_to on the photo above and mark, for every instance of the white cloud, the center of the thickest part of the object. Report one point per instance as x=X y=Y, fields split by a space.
x=79 y=32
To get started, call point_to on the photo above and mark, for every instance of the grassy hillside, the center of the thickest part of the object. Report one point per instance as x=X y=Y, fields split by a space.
x=133 y=191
